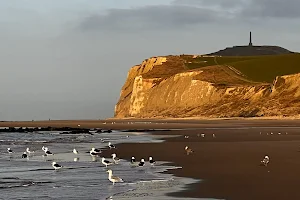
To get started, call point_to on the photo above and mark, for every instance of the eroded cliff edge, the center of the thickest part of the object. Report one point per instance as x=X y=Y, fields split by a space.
x=163 y=87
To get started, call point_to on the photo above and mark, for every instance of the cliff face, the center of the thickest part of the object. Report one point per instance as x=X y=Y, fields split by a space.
x=215 y=91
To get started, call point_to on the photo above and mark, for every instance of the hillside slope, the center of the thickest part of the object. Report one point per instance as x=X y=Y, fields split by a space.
x=251 y=51
x=212 y=86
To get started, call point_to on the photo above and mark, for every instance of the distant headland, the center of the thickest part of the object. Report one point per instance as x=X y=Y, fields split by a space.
x=241 y=81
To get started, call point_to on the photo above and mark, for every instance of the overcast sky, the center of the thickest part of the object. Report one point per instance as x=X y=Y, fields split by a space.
x=68 y=59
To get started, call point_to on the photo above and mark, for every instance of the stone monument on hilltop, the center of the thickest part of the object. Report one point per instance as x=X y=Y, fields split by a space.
x=250 y=42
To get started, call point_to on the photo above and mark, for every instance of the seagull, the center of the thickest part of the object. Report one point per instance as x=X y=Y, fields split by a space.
x=28 y=151
x=24 y=155
x=9 y=150
x=213 y=135
x=186 y=136
x=265 y=161
x=203 y=135
x=106 y=162
x=43 y=148
x=75 y=151
x=133 y=162
x=95 y=152
x=56 y=166
x=47 y=152
x=151 y=161
x=115 y=158
x=188 y=150
x=111 y=146
x=112 y=178
x=142 y=163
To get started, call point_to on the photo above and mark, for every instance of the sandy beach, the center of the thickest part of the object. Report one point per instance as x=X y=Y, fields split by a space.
x=228 y=164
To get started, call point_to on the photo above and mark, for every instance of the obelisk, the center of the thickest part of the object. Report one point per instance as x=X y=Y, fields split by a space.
x=250 y=42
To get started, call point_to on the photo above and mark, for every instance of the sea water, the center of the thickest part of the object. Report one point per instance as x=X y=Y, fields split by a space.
x=81 y=177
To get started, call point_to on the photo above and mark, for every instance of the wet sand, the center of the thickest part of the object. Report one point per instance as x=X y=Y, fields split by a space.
x=230 y=167
x=229 y=164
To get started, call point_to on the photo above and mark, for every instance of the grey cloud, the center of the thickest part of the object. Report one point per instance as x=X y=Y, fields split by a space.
x=204 y=3
x=272 y=9
x=181 y=14
x=150 y=17
x=251 y=8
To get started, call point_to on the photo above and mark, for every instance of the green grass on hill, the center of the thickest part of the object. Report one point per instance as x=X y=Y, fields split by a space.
x=194 y=63
x=266 y=68
x=255 y=68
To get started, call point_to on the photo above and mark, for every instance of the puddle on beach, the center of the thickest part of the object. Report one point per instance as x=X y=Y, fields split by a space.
x=82 y=177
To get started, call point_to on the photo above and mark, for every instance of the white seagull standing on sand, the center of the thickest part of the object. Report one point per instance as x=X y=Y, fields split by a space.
x=9 y=150
x=24 y=155
x=111 y=146
x=75 y=151
x=28 y=151
x=188 y=150
x=266 y=160
x=115 y=158
x=151 y=161
x=47 y=152
x=112 y=178
x=95 y=152
x=133 y=162
x=106 y=162
x=142 y=163
x=56 y=166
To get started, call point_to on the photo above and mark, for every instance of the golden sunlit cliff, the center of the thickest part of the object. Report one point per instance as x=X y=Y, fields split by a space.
x=212 y=86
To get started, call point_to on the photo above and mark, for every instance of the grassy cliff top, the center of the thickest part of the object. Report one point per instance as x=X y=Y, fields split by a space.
x=240 y=64
x=255 y=68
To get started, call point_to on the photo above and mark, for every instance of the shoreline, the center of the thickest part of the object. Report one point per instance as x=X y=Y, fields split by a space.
x=208 y=118
x=228 y=165
x=149 y=124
